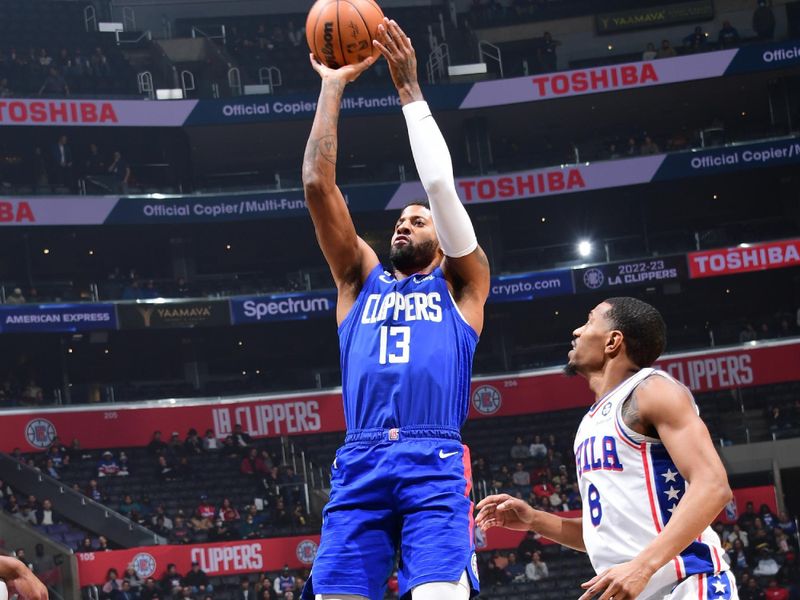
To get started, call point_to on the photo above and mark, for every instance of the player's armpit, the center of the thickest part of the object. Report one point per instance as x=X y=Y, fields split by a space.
x=668 y=406
x=471 y=280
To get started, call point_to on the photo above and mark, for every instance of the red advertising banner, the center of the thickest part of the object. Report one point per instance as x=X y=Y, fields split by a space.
x=225 y=558
x=744 y=258
x=764 y=494
x=126 y=425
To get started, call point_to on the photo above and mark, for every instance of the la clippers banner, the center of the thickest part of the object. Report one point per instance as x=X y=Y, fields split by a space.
x=371 y=101
x=57 y=318
x=745 y=258
x=642 y=272
x=131 y=424
x=225 y=558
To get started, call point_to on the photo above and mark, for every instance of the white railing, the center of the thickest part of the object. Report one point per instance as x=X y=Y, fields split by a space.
x=270 y=76
x=145 y=83
x=121 y=38
x=187 y=82
x=90 y=18
x=218 y=34
x=438 y=63
x=487 y=50
x=128 y=18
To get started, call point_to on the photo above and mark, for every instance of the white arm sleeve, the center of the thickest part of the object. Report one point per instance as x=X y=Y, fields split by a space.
x=453 y=225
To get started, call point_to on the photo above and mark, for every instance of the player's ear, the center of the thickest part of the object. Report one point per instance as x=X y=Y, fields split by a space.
x=614 y=342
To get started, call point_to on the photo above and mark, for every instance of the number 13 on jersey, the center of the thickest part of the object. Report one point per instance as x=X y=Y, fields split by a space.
x=395 y=342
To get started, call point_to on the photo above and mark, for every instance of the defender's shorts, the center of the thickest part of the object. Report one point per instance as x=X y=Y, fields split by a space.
x=705 y=587
x=398 y=489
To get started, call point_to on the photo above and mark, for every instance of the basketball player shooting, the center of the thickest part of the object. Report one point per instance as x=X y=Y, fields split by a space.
x=407 y=338
x=16 y=578
x=650 y=480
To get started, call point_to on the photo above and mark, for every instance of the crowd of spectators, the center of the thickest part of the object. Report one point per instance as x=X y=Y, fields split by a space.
x=62 y=73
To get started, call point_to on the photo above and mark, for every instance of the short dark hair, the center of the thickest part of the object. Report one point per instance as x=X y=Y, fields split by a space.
x=642 y=326
x=423 y=203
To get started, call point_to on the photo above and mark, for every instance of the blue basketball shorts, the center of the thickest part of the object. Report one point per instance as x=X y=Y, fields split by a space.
x=403 y=490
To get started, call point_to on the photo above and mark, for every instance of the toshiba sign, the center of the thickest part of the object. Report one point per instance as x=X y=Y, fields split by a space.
x=57 y=112
x=745 y=258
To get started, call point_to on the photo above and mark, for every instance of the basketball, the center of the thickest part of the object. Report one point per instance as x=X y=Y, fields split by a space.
x=340 y=32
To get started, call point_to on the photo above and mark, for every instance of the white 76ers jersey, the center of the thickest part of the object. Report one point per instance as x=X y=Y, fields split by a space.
x=630 y=487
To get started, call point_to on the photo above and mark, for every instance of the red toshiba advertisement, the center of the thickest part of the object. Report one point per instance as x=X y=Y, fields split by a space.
x=132 y=424
x=744 y=258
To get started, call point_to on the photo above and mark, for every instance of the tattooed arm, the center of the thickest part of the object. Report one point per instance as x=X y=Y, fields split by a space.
x=349 y=257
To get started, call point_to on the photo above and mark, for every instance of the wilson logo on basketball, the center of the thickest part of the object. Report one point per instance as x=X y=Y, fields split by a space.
x=40 y=433
x=327 y=47
x=487 y=400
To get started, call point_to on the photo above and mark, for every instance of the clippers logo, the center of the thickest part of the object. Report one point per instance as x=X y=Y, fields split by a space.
x=144 y=564
x=40 y=433
x=487 y=400
x=594 y=279
x=306 y=552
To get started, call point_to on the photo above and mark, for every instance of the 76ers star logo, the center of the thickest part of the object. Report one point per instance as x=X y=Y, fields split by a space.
x=40 y=433
x=486 y=400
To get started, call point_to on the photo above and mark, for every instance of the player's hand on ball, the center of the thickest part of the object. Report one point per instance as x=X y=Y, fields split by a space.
x=346 y=74
x=396 y=47
x=502 y=510
x=623 y=582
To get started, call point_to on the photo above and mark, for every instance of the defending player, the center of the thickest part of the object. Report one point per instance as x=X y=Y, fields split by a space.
x=407 y=339
x=641 y=444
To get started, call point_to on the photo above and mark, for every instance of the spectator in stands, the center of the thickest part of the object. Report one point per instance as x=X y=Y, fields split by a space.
x=184 y=469
x=728 y=36
x=515 y=571
x=107 y=467
x=161 y=512
x=240 y=438
x=133 y=579
x=695 y=41
x=295 y=34
x=124 y=467
x=245 y=592
x=228 y=512
x=649 y=147
x=666 y=50
x=15 y=297
x=200 y=526
x=99 y=64
x=528 y=545
x=775 y=591
x=54 y=84
x=547 y=53
x=249 y=529
x=205 y=508
x=46 y=515
x=789 y=575
x=751 y=590
x=631 y=148
x=739 y=557
x=102 y=544
x=120 y=172
x=156 y=446
x=149 y=590
x=284 y=582
x=521 y=479
x=78 y=70
x=536 y=569
x=192 y=445
x=748 y=517
x=252 y=464
x=264 y=589
x=128 y=506
x=95 y=164
x=210 y=442
x=280 y=516
x=197 y=580
x=180 y=534
x=765 y=332
x=537 y=449
x=112 y=584
x=650 y=52
x=125 y=592
x=764 y=21
x=171 y=580
x=748 y=334
x=165 y=470
x=85 y=545
x=62 y=162
x=93 y=491
x=519 y=449
x=786 y=523
x=766 y=565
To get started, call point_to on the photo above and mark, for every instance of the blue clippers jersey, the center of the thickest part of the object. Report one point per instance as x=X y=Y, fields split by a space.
x=406 y=355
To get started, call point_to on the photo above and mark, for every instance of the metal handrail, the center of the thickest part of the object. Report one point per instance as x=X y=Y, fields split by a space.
x=90 y=18
x=438 y=63
x=271 y=76
x=487 y=50
x=187 y=82
x=145 y=82
x=142 y=36
x=222 y=35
